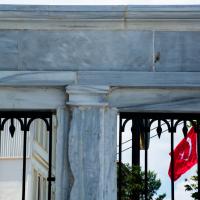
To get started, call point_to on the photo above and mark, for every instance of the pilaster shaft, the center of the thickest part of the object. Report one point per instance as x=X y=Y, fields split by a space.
x=92 y=144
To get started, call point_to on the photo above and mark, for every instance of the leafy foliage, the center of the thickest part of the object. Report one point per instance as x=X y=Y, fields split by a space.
x=132 y=184
x=192 y=187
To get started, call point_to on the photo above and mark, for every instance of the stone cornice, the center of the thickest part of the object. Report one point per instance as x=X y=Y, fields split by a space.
x=101 y=12
x=98 y=17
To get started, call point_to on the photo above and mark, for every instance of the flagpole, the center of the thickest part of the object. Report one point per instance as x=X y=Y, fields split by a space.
x=172 y=159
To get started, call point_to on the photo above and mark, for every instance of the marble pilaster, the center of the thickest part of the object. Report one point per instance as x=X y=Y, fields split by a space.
x=92 y=143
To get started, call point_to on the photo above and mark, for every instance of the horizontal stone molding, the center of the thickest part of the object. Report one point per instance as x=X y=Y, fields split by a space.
x=37 y=78
x=100 y=12
x=82 y=79
x=173 y=100
x=31 y=98
x=98 y=17
x=141 y=79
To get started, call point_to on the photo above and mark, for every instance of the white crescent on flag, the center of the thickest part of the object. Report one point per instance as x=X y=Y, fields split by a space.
x=182 y=154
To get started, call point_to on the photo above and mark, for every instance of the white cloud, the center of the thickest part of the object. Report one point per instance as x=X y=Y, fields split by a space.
x=180 y=192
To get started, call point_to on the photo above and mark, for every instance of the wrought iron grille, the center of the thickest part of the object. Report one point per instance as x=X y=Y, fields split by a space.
x=25 y=119
x=141 y=123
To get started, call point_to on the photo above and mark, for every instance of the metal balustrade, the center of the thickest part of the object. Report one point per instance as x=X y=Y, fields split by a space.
x=15 y=132
x=141 y=126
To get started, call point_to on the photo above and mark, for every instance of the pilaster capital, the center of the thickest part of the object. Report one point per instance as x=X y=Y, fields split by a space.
x=87 y=95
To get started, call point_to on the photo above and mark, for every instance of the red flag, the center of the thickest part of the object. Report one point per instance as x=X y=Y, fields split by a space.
x=185 y=155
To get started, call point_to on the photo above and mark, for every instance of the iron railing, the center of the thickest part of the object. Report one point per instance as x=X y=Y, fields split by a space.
x=25 y=119
x=142 y=124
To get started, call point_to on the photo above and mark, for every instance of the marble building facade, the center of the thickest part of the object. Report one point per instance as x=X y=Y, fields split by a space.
x=89 y=63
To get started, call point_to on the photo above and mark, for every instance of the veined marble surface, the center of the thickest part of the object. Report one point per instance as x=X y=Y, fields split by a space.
x=76 y=50
x=105 y=50
x=92 y=153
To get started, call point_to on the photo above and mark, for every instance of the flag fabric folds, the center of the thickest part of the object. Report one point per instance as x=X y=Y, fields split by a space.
x=185 y=155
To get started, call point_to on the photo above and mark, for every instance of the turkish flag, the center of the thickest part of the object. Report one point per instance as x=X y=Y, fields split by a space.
x=185 y=155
